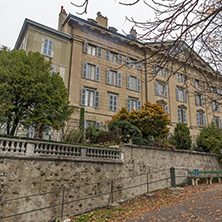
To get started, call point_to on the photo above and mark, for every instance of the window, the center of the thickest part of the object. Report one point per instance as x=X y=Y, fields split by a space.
x=133 y=83
x=91 y=72
x=89 y=123
x=133 y=104
x=181 y=115
x=199 y=100
x=114 y=78
x=160 y=71
x=91 y=49
x=36 y=132
x=217 y=122
x=160 y=89
x=197 y=83
x=133 y=63
x=181 y=77
x=165 y=107
x=201 y=119
x=215 y=106
x=47 y=47
x=90 y=98
x=113 y=102
x=113 y=57
x=53 y=69
x=181 y=95
x=120 y=59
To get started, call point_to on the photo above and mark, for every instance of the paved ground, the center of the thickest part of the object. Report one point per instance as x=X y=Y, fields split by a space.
x=206 y=206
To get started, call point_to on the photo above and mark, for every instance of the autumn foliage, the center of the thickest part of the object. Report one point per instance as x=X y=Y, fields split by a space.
x=151 y=120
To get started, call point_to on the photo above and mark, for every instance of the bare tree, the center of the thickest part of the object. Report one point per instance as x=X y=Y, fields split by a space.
x=184 y=32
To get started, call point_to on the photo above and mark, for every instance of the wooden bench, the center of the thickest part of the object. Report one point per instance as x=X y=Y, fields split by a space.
x=208 y=175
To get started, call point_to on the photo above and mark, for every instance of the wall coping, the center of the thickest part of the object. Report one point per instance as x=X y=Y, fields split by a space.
x=169 y=150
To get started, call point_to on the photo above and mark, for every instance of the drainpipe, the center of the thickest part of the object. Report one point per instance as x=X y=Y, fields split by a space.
x=145 y=66
x=70 y=65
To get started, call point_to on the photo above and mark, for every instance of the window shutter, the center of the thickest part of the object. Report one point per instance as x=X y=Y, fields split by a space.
x=128 y=82
x=197 y=99
x=107 y=54
x=184 y=116
x=138 y=85
x=184 y=79
x=83 y=96
x=99 y=52
x=127 y=61
x=198 y=119
x=110 y=101
x=202 y=100
x=204 y=120
x=97 y=73
x=85 y=47
x=45 y=47
x=166 y=109
x=87 y=71
x=194 y=82
x=139 y=65
x=96 y=99
x=178 y=95
x=164 y=72
x=119 y=79
x=108 y=76
x=179 y=77
x=138 y=105
x=212 y=104
x=185 y=96
x=214 y=120
x=50 y=48
x=220 y=125
x=129 y=105
x=218 y=106
x=84 y=70
x=120 y=59
x=165 y=91
x=179 y=115
x=157 y=88
x=201 y=84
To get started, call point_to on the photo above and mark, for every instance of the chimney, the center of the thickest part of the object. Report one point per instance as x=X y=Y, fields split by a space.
x=101 y=20
x=62 y=17
x=133 y=34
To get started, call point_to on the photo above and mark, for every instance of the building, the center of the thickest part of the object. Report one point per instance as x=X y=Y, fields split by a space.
x=105 y=71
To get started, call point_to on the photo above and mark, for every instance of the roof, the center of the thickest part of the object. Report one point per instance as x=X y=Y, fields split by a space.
x=37 y=25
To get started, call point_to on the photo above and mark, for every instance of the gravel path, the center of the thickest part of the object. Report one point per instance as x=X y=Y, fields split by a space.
x=205 y=206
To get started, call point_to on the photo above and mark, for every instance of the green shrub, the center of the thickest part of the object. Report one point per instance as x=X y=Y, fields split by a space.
x=181 y=138
x=129 y=131
x=209 y=140
x=74 y=136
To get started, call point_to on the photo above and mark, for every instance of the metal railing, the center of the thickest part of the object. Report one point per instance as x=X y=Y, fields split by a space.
x=111 y=191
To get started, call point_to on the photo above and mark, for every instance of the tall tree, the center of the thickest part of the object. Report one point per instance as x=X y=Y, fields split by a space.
x=29 y=93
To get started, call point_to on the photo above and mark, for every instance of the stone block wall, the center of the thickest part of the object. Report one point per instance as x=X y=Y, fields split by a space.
x=23 y=176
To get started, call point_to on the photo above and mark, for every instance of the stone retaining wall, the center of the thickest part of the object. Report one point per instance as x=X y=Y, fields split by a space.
x=22 y=176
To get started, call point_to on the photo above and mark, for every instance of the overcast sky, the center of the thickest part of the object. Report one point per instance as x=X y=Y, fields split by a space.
x=14 y=12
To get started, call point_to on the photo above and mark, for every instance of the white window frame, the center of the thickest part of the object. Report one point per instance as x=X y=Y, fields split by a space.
x=201 y=119
x=161 y=89
x=113 y=102
x=181 y=114
x=181 y=95
x=217 y=122
x=133 y=104
x=47 y=47
x=91 y=72
x=215 y=105
x=133 y=83
x=199 y=99
x=90 y=97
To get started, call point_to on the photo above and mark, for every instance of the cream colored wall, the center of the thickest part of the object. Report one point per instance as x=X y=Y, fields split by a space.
x=115 y=45
x=61 y=49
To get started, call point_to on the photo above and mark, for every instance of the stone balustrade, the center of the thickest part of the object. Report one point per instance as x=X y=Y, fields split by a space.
x=44 y=149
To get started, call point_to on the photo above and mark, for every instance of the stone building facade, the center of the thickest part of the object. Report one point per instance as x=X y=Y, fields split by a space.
x=105 y=71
